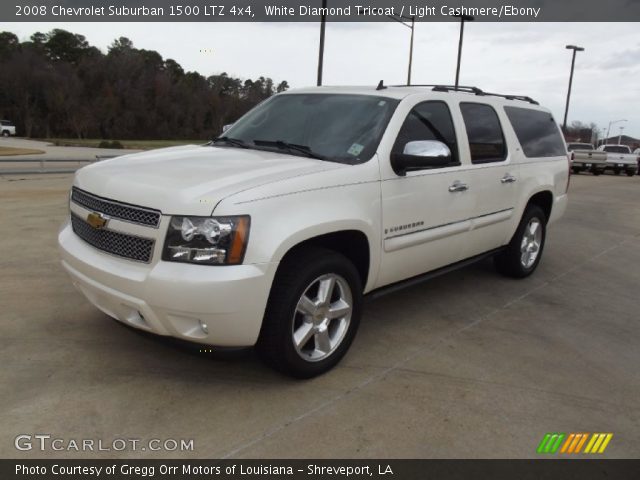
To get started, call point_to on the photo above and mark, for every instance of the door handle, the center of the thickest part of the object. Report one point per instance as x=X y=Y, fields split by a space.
x=458 y=186
x=508 y=179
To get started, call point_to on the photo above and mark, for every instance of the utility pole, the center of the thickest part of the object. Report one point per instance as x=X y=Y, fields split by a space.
x=573 y=62
x=323 y=22
x=463 y=18
x=401 y=21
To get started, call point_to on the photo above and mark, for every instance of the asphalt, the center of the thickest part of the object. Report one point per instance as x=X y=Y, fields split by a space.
x=467 y=365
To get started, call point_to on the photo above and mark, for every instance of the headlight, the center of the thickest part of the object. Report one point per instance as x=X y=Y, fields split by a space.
x=207 y=240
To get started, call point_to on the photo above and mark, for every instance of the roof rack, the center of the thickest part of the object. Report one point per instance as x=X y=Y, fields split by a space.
x=474 y=90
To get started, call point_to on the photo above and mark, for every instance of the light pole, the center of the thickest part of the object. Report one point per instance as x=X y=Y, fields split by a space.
x=463 y=18
x=620 y=136
x=573 y=62
x=613 y=122
x=323 y=22
x=400 y=20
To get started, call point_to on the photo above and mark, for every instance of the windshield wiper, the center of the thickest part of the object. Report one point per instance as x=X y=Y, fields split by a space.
x=231 y=141
x=290 y=146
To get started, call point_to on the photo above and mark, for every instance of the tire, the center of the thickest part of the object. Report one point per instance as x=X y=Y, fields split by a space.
x=511 y=261
x=616 y=171
x=324 y=340
x=597 y=172
x=630 y=173
x=5 y=133
x=576 y=170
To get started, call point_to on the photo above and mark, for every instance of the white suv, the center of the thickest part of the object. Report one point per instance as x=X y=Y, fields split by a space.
x=272 y=234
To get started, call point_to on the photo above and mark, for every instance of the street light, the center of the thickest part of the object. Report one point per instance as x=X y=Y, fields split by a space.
x=323 y=22
x=613 y=122
x=620 y=136
x=573 y=62
x=398 y=18
x=468 y=18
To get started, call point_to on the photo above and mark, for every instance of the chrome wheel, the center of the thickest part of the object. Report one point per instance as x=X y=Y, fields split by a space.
x=531 y=241
x=322 y=317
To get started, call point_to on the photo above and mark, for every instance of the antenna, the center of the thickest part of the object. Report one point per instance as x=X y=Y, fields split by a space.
x=381 y=85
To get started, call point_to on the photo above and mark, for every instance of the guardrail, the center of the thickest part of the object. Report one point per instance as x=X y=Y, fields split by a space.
x=46 y=165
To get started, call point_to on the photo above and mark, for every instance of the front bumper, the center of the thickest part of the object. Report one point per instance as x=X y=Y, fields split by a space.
x=172 y=299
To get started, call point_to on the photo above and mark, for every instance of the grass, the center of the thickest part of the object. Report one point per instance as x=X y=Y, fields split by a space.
x=6 y=151
x=128 y=144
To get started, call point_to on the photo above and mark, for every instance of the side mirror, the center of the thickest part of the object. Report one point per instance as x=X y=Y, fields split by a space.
x=420 y=155
x=227 y=127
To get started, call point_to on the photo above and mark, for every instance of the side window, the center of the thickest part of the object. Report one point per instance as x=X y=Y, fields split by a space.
x=428 y=121
x=537 y=132
x=486 y=140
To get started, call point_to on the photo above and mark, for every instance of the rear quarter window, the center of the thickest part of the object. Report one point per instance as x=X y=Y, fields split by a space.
x=537 y=132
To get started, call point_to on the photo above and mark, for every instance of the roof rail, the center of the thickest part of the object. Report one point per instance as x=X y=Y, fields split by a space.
x=474 y=90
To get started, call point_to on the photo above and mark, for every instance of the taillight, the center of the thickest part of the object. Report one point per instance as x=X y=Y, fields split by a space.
x=569 y=158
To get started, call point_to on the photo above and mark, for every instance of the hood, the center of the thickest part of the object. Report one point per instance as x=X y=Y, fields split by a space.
x=191 y=180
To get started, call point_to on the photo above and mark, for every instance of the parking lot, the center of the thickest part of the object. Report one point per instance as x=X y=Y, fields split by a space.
x=468 y=365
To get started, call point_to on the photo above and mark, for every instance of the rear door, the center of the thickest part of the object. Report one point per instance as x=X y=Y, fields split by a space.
x=493 y=178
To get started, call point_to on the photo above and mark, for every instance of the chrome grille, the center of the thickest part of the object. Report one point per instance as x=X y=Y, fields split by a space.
x=120 y=244
x=122 y=211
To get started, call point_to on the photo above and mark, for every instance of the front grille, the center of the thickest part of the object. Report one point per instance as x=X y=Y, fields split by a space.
x=120 y=244
x=111 y=208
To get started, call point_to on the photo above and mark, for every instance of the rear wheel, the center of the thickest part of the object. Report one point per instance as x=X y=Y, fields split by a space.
x=616 y=171
x=630 y=173
x=576 y=170
x=5 y=133
x=521 y=257
x=313 y=313
x=596 y=171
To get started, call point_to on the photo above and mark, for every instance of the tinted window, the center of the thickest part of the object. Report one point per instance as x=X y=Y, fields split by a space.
x=616 y=149
x=579 y=146
x=428 y=121
x=486 y=141
x=537 y=132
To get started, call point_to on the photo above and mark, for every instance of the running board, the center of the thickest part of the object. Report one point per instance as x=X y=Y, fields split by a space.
x=410 y=282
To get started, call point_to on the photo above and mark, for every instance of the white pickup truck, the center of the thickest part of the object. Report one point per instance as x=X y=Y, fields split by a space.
x=620 y=159
x=584 y=158
x=272 y=234
x=7 y=128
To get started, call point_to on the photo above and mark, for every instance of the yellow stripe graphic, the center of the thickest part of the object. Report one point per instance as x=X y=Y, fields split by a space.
x=606 y=441
x=599 y=440
x=591 y=442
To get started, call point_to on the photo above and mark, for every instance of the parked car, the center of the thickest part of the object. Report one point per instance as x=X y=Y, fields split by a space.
x=272 y=234
x=620 y=159
x=7 y=128
x=584 y=158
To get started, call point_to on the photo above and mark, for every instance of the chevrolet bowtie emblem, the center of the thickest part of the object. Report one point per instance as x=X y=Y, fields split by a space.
x=97 y=220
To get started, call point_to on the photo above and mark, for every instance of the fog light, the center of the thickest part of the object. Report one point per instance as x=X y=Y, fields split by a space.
x=204 y=327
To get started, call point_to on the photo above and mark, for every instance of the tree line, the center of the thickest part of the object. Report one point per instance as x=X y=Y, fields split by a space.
x=57 y=85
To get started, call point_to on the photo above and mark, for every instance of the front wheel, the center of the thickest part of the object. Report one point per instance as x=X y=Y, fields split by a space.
x=522 y=255
x=313 y=313
x=616 y=171
x=576 y=170
x=630 y=173
x=5 y=133
x=597 y=171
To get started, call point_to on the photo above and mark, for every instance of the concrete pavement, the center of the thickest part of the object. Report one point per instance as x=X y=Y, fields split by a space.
x=468 y=365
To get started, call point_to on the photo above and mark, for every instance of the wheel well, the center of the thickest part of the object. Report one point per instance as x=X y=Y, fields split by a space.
x=544 y=200
x=353 y=244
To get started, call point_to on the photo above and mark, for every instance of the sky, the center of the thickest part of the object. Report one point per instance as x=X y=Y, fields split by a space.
x=515 y=58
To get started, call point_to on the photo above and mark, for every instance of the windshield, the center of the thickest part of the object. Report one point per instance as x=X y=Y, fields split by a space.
x=336 y=127
x=616 y=149
x=579 y=146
